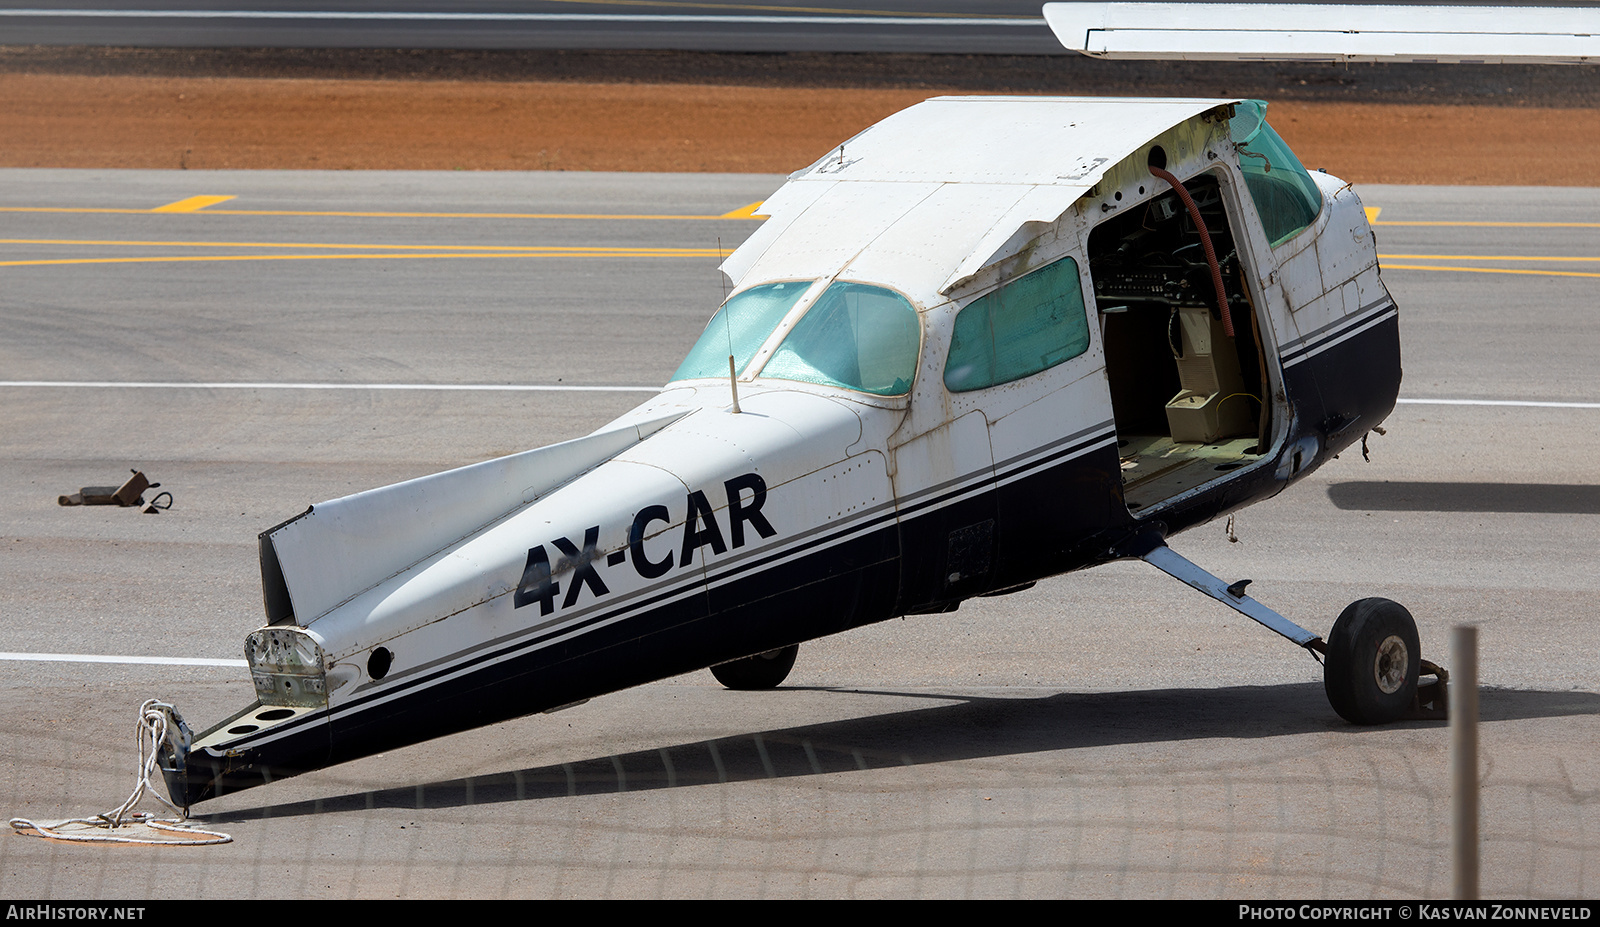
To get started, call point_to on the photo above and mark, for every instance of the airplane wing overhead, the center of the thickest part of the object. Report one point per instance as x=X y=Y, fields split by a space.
x=338 y=549
x=1328 y=32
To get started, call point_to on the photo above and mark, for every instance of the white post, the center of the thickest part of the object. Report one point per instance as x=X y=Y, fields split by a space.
x=1464 y=763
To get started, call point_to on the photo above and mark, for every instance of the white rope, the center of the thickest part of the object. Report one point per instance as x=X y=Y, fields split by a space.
x=150 y=733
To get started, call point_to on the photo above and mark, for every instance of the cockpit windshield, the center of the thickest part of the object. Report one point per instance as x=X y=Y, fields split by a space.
x=740 y=328
x=855 y=335
x=1286 y=197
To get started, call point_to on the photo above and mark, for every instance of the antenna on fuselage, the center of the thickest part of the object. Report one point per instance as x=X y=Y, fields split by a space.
x=727 y=318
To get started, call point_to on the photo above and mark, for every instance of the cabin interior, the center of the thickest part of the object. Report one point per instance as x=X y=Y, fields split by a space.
x=1189 y=401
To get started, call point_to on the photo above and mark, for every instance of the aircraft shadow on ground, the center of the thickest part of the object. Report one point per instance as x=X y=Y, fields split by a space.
x=963 y=729
x=1529 y=498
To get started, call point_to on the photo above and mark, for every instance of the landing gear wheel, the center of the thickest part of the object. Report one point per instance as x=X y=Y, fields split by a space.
x=762 y=671
x=1373 y=662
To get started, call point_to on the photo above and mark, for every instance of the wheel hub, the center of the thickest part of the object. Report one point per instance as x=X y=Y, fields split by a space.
x=1389 y=668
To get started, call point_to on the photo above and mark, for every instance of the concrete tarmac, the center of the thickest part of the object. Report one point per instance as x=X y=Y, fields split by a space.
x=1105 y=734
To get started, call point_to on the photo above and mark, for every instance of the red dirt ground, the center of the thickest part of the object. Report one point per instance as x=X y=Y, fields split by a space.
x=118 y=121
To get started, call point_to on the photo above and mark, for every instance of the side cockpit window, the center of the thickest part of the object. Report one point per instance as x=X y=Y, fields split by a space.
x=1286 y=197
x=1027 y=326
x=857 y=336
x=739 y=328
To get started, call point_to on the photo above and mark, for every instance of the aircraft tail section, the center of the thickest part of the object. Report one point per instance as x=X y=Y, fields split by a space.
x=336 y=550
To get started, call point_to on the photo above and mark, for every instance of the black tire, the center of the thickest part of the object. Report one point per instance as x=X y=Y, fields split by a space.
x=1373 y=661
x=762 y=671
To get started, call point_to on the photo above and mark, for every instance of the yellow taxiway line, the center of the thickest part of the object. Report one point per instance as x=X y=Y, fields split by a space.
x=1493 y=270
x=180 y=259
x=619 y=249
x=400 y=251
x=193 y=204
x=587 y=253
x=1492 y=225
x=201 y=205
x=743 y=212
x=367 y=251
x=1482 y=257
x=361 y=251
x=1386 y=259
x=140 y=243
x=1373 y=211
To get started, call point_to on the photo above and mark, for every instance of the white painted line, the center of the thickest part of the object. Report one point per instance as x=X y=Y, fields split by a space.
x=544 y=388
x=104 y=658
x=462 y=387
x=421 y=16
x=562 y=388
x=1522 y=403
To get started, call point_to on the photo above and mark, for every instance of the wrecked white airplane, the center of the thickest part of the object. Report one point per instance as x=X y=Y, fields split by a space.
x=987 y=341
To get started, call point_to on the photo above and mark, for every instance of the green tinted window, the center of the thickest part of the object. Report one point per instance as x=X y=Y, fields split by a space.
x=857 y=336
x=1286 y=197
x=739 y=328
x=1031 y=324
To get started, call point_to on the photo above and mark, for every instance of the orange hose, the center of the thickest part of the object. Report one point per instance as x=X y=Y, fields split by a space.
x=1205 y=245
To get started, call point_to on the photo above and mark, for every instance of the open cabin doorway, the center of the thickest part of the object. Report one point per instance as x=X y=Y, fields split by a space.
x=1190 y=403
